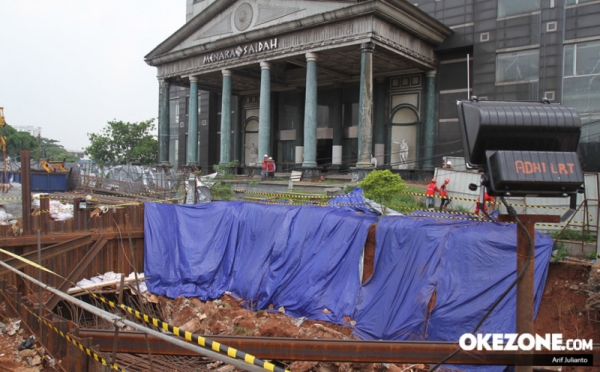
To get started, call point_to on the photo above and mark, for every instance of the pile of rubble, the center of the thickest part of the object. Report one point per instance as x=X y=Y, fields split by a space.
x=228 y=316
x=21 y=353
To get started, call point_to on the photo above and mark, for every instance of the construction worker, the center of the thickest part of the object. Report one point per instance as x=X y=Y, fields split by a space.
x=486 y=199
x=431 y=190
x=444 y=195
x=263 y=172
x=271 y=168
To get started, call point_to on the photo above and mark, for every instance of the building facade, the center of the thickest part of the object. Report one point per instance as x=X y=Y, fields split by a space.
x=34 y=131
x=332 y=84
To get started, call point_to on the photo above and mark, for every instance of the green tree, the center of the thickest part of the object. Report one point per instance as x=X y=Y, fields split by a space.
x=17 y=141
x=382 y=186
x=122 y=143
x=51 y=150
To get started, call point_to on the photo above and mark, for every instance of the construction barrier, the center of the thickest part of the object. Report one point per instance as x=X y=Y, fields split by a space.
x=192 y=337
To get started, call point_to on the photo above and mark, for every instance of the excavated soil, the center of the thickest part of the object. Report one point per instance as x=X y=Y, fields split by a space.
x=562 y=311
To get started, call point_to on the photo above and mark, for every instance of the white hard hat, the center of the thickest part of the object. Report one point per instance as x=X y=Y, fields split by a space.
x=266 y=156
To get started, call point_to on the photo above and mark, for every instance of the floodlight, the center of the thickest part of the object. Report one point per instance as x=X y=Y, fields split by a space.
x=523 y=148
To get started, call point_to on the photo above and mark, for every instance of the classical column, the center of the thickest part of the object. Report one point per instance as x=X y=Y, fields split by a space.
x=338 y=131
x=429 y=135
x=365 y=114
x=264 y=115
x=380 y=122
x=226 y=118
x=310 y=112
x=299 y=153
x=192 y=148
x=163 y=124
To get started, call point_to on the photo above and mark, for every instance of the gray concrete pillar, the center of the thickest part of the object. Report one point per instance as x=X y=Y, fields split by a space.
x=163 y=124
x=192 y=148
x=310 y=112
x=226 y=118
x=380 y=120
x=429 y=135
x=264 y=115
x=365 y=114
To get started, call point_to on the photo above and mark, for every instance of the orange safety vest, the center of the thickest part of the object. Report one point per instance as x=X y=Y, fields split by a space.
x=431 y=189
x=443 y=190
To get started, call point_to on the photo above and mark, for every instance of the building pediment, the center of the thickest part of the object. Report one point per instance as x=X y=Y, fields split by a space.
x=227 y=18
x=226 y=25
x=248 y=15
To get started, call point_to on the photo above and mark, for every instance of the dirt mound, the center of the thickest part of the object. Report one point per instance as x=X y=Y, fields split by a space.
x=227 y=316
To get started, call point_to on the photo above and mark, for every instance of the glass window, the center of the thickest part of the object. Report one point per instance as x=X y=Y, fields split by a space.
x=521 y=66
x=569 y=60
x=507 y=8
x=581 y=86
x=588 y=58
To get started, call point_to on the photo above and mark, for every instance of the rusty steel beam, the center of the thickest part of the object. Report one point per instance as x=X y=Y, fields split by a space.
x=526 y=285
x=77 y=271
x=19 y=241
x=48 y=252
x=275 y=348
x=26 y=191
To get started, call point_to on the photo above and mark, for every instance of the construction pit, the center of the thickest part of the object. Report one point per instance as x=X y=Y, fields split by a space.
x=567 y=305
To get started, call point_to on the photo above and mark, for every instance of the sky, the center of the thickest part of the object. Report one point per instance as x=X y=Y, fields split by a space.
x=71 y=66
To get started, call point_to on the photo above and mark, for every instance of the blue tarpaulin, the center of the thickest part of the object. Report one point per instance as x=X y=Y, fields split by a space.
x=352 y=202
x=307 y=259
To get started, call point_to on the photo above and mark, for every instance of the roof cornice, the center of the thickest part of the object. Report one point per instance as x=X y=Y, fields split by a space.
x=399 y=12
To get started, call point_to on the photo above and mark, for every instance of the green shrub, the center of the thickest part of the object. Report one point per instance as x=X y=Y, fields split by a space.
x=574 y=235
x=382 y=186
x=226 y=170
x=221 y=191
x=406 y=203
x=561 y=252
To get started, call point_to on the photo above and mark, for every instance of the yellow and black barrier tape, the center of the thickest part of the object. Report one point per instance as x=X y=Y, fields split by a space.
x=288 y=195
x=475 y=200
x=88 y=351
x=51 y=196
x=14 y=198
x=192 y=337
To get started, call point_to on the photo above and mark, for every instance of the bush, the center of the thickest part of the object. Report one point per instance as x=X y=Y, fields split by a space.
x=406 y=203
x=221 y=191
x=226 y=170
x=561 y=252
x=382 y=186
x=574 y=235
